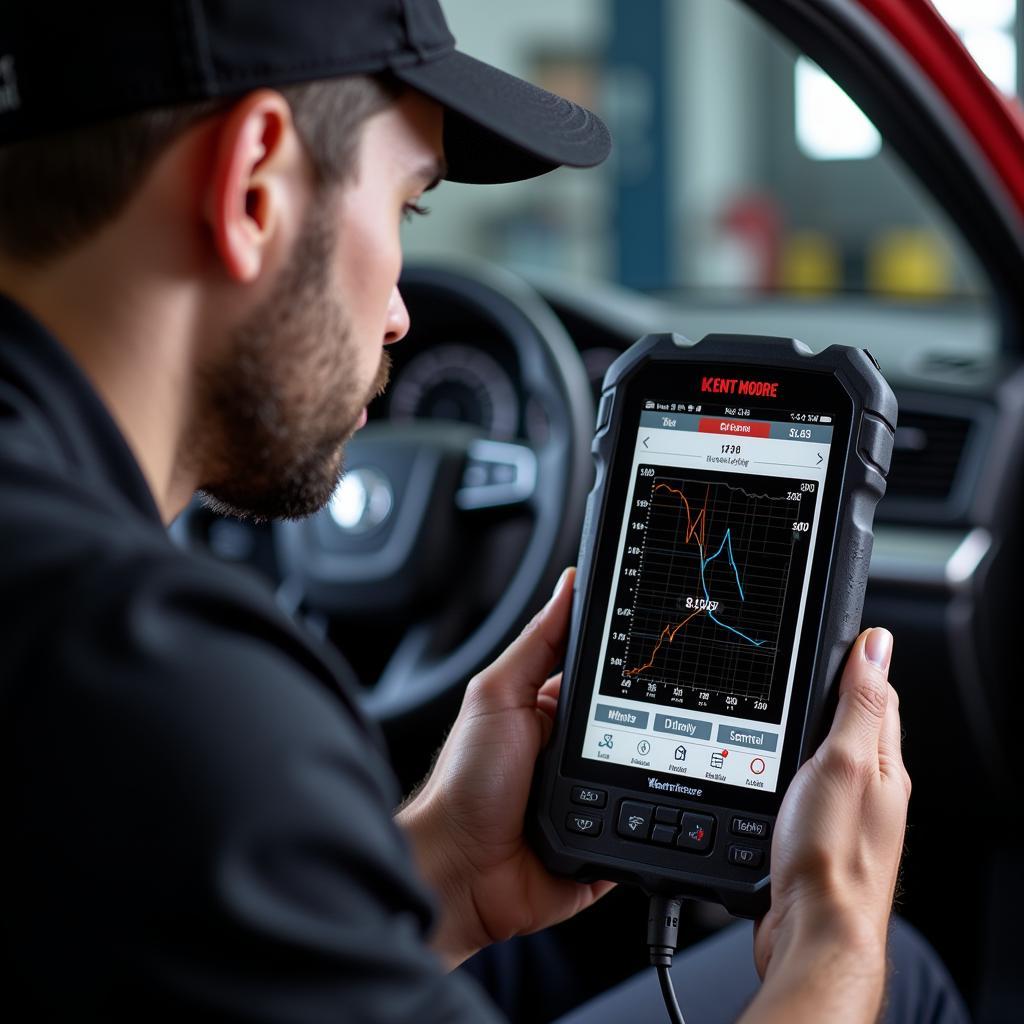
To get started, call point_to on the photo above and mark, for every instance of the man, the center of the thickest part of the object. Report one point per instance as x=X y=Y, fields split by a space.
x=199 y=212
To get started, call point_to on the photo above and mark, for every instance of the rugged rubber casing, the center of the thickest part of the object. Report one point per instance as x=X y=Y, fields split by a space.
x=866 y=463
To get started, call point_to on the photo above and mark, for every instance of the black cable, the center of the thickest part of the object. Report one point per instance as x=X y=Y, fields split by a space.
x=669 y=994
x=662 y=939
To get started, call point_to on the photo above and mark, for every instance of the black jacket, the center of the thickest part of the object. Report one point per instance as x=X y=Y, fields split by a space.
x=196 y=819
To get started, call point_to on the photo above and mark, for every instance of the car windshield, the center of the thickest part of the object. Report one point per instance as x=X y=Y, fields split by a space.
x=741 y=172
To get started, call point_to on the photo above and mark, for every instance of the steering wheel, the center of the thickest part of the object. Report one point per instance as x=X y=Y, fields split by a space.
x=429 y=511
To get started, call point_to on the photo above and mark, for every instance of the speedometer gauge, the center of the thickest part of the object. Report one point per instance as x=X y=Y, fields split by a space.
x=457 y=382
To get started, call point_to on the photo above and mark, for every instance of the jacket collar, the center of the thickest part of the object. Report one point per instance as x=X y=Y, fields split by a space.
x=40 y=381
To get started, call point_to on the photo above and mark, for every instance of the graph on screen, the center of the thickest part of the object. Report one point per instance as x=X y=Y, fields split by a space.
x=705 y=585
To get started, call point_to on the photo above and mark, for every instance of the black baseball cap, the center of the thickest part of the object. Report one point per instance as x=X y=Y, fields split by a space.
x=73 y=63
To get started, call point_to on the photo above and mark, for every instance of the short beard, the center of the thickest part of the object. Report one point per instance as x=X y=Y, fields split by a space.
x=278 y=407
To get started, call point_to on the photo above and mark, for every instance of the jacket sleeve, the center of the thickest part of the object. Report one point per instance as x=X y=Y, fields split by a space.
x=203 y=830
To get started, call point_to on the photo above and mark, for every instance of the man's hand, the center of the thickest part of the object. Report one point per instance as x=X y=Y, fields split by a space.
x=466 y=823
x=835 y=857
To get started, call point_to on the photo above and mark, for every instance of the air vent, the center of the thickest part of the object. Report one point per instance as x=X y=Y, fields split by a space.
x=927 y=455
x=956 y=363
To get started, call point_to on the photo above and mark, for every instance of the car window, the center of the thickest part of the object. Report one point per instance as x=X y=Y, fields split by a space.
x=740 y=170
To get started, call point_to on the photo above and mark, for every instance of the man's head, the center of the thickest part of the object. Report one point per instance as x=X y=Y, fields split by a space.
x=254 y=232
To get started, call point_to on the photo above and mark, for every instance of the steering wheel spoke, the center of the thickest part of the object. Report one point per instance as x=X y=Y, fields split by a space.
x=497 y=474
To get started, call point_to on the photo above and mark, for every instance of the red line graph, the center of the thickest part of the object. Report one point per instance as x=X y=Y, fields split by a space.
x=693 y=524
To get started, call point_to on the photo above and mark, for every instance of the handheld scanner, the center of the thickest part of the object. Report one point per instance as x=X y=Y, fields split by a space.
x=720 y=584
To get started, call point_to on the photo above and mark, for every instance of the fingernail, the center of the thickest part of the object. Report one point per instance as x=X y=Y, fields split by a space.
x=558 y=586
x=878 y=647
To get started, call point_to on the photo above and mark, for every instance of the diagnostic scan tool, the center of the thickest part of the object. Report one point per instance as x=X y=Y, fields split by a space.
x=720 y=584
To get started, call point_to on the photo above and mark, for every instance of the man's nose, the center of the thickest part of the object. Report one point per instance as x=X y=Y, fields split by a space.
x=397 y=326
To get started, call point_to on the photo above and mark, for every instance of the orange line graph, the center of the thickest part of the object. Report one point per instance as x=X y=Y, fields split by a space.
x=661 y=639
x=693 y=524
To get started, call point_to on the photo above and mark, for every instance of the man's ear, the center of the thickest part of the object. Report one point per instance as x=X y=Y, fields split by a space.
x=249 y=183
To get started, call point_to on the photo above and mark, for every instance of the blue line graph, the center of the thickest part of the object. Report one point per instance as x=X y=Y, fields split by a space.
x=726 y=543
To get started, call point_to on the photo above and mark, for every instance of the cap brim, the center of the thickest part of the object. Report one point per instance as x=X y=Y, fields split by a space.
x=500 y=128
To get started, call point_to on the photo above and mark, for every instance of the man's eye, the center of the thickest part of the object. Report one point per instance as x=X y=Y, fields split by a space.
x=410 y=210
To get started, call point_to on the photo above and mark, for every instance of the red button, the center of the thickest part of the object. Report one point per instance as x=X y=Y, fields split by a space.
x=735 y=428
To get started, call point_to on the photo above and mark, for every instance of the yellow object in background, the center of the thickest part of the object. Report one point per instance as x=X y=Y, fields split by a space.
x=811 y=263
x=910 y=261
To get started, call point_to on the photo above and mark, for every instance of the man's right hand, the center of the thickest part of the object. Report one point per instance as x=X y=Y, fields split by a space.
x=835 y=857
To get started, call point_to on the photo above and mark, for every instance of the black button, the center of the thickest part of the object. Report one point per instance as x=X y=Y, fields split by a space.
x=583 y=823
x=635 y=819
x=589 y=797
x=696 y=832
x=666 y=815
x=875 y=442
x=746 y=856
x=664 y=834
x=753 y=828
x=604 y=411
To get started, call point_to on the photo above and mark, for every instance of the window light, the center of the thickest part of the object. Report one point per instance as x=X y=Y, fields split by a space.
x=829 y=125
